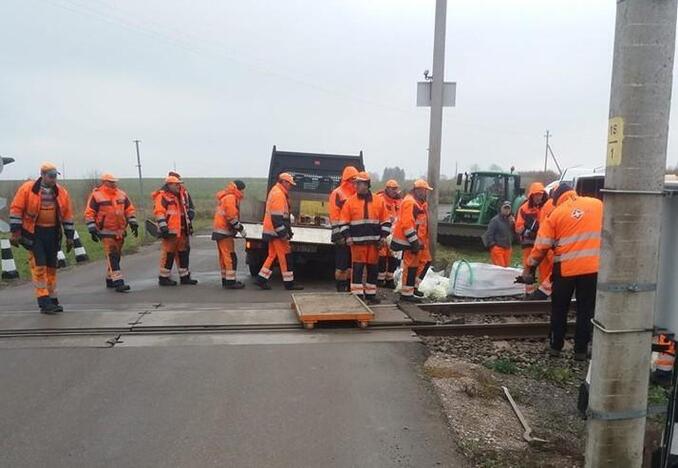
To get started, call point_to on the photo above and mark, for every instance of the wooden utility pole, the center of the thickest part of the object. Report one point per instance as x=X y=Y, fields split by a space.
x=640 y=99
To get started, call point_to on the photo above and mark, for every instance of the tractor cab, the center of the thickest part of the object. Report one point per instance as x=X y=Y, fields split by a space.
x=482 y=194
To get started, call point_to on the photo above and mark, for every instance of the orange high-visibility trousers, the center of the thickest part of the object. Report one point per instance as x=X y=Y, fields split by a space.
x=545 y=269
x=174 y=248
x=500 y=256
x=388 y=264
x=42 y=259
x=415 y=266
x=280 y=250
x=365 y=258
x=113 y=252
x=228 y=261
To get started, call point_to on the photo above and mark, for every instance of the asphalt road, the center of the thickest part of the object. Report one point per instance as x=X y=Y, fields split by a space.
x=331 y=398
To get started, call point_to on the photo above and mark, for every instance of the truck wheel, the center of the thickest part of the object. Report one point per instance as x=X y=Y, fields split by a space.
x=254 y=262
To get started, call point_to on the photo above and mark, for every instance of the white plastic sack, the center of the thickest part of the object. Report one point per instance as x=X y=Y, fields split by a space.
x=483 y=280
x=434 y=285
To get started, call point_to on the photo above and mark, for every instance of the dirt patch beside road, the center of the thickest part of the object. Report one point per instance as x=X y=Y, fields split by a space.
x=468 y=375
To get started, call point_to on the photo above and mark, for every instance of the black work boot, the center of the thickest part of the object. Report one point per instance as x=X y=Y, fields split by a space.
x=290 y=286
x=232 y=284
x=389 y=284
x=122 y=288
x=372 y=300
x=342 y=286
x=409 y=299
x=109 y=283
x=162 y=281
x=381 y=283
x=47 y=306
x=262 y=283
x=538 y=295
x=188 y=280
x=418 y=293
x=55 y=301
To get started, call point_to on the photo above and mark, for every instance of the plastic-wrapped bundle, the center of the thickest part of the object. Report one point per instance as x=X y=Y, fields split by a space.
x=483 y=280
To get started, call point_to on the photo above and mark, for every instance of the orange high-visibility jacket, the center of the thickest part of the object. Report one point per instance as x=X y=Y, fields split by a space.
x=573 y=230
x=227 y=214
x=364 y=219
x=528 y=216
x=169 y=212
x=392 y=205
x=338 y=197
x=277 y=223
x=411 y=227
x=108 y=211
x=25 y=208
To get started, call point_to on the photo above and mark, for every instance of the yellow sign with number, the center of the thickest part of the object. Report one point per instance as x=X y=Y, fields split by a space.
x=615 y=138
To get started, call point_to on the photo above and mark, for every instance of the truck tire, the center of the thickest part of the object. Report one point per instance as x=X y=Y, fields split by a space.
x=254 y=261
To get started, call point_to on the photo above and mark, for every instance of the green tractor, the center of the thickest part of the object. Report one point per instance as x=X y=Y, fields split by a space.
x=477 y=199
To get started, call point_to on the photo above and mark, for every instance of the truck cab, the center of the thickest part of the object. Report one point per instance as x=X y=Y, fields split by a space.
x=316 y=175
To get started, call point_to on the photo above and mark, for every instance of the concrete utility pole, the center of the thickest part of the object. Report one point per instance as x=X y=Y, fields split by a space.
x=140 y=202
x=636 y=159
x=435 y=132
x=546 y=150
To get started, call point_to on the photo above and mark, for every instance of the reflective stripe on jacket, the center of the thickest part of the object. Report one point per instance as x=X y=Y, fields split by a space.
x=364 y=219
x=277 y=216
x=573 y=230
x=411 y=227
x=227 y=215
x=108 y=211
x=25 y=209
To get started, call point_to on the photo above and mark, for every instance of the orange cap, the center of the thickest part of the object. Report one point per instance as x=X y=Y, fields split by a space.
x=287 y=177
x=362 y=177
x=421 y=183
x=392 y=183
x=47 y=167
x=172 y=180
x=108 y=177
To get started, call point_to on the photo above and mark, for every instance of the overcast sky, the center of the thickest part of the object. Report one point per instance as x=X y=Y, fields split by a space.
x=212 y=86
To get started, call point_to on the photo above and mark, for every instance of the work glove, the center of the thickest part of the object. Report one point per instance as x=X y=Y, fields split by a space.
x=415 y=246
x=528 y=275
x=191 y=215
x=69 y=245
x=164 y=232
x=243 y=233
x=134 y=227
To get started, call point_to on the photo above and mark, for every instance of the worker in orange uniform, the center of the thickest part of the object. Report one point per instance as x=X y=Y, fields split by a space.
x=527 y=218
x=499 y=236
x=388 y=262
x=38 y=213
x=109 y=211
x=545 y=269
x=188 y=209
x=342 y=252
x=410 y=235
x=226 y=226
x=277 y=231
x=573 y=231
x=365 y=224
x=174 y=227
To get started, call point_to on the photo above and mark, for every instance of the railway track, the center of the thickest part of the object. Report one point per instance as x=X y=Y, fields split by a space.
x=501 y=330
